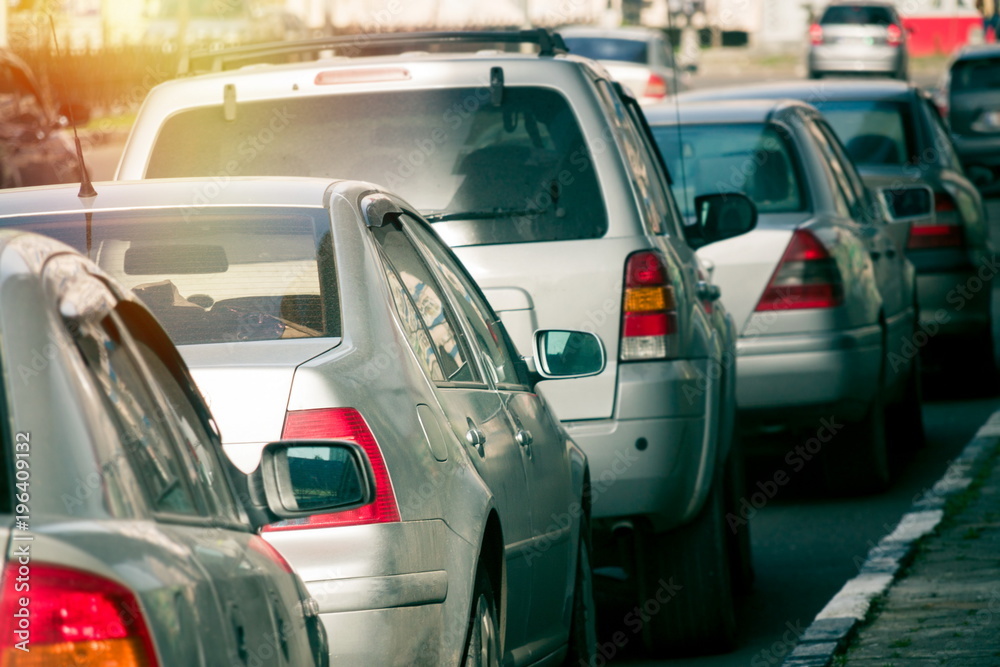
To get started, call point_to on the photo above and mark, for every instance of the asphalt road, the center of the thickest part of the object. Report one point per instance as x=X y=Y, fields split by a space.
x=806 y=545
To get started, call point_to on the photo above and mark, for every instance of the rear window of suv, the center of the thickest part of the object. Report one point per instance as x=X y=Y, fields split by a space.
x=975 y=75
x=857 y=15
x=514 y=172
x=608 y=48
x=215 y=274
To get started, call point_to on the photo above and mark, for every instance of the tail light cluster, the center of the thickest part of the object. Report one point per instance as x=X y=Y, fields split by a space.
x=816 y=34
x=76 y=618
x=343 y=424
x=649 y=310
x=656 y=86
x=894 y=35
x=806 y=277
x=946 y=232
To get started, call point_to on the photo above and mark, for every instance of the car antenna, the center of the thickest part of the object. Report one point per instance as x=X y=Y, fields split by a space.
x=86 y=187
x=677 y=115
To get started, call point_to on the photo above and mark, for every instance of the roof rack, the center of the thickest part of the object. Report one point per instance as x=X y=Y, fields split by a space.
x=549 y=44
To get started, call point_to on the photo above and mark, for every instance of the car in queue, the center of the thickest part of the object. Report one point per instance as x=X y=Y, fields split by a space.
x=858 y=38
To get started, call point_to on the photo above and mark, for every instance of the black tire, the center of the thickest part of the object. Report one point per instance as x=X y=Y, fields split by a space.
x=738 y=532
x=685 y=588
x=856 y=460
x=905 y=418
x=482 y=644
x=582 y=642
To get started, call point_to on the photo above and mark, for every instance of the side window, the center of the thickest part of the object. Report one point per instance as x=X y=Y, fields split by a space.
x=429 y=324
x=489 y=334
x=138 y=416
x=942 y=141
x=198 y=447
x=837 y=165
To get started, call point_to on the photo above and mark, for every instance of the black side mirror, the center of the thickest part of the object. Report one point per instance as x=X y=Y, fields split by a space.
x=719 y=217
x=301 y=478
x=910 y=203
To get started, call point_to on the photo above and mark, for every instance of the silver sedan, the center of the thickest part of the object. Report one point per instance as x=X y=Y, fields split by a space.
x=320 y=310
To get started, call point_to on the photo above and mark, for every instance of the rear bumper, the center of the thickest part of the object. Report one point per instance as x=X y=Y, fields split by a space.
x=656 y=457
x=834 y=58
x=388 y=594
x=794 y=380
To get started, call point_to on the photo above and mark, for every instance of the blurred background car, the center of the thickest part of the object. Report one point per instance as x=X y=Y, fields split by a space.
x=34 y=146
x=538 y=169
x=858 y=38
x=131 y=539
x=821 y=292
x=640 y=58
x=316 y=310
x=970 y=99
x=893 y=133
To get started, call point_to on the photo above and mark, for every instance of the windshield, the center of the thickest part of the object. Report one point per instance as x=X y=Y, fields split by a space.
x=750 y=158
x=220 y=275
x=446 y=151
x=608 y=48
x=975 y=75
x=874 y=133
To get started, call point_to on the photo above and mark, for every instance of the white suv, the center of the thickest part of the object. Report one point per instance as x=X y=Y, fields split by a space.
x=541 y=173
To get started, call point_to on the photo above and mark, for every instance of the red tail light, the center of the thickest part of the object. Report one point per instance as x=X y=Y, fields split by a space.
x=649 y=310
x=816 y=34
x=894 y=35
x=656 y=86
x=806 y=277
x=343 y=424
x=76 y=618
x=947 y=232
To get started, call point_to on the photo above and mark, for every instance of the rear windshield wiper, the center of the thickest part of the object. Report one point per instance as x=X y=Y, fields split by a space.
x=492 y=214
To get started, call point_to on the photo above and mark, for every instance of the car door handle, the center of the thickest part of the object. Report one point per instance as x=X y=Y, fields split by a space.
x=524 y=438
x=708 y=291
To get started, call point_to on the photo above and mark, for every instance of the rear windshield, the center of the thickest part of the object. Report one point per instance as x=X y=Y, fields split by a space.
x=608 y=48
x=874 y=133
x=751 y=158
x=975 y=75
x=857 y=15
x=514 y=172
x=215 y=275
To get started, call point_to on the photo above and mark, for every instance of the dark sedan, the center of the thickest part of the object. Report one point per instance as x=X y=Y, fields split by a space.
x=892 y=130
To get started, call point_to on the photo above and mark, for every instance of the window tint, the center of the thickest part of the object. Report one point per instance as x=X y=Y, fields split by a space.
x=198 y=449
x=873 y=132
x=943 y=147
x=137 y=414
x=514 y=173
x=609 y=48
x=487 y=330
x=750 y=158
x=216 y=275
x=975 y=75
x=429 y=324
x=848 y=196
x=858 y=15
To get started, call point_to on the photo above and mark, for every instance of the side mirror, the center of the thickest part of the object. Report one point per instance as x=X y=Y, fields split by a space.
x=719 y=217
x=301 y=478
x=567 y=354
x=908 y=204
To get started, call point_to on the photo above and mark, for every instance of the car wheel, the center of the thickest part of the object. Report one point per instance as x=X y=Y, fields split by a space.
x=583 y=627
x=856 y=460
x=482 y=647
x=685 y=589
x=905 y=417
x=738 y=533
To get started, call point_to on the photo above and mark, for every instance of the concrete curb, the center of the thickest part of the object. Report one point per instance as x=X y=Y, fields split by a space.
x=836 y=622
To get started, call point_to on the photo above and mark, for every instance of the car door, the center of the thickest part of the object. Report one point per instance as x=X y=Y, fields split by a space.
x=184 y=493
x=473 y=409
x=542 y=444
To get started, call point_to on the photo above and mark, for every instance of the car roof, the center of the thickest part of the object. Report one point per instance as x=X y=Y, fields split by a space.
x=869 y=3
x=729 y=111
x=190 y=193
x=978 y=51
x=637 y=33
x=810 y=91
